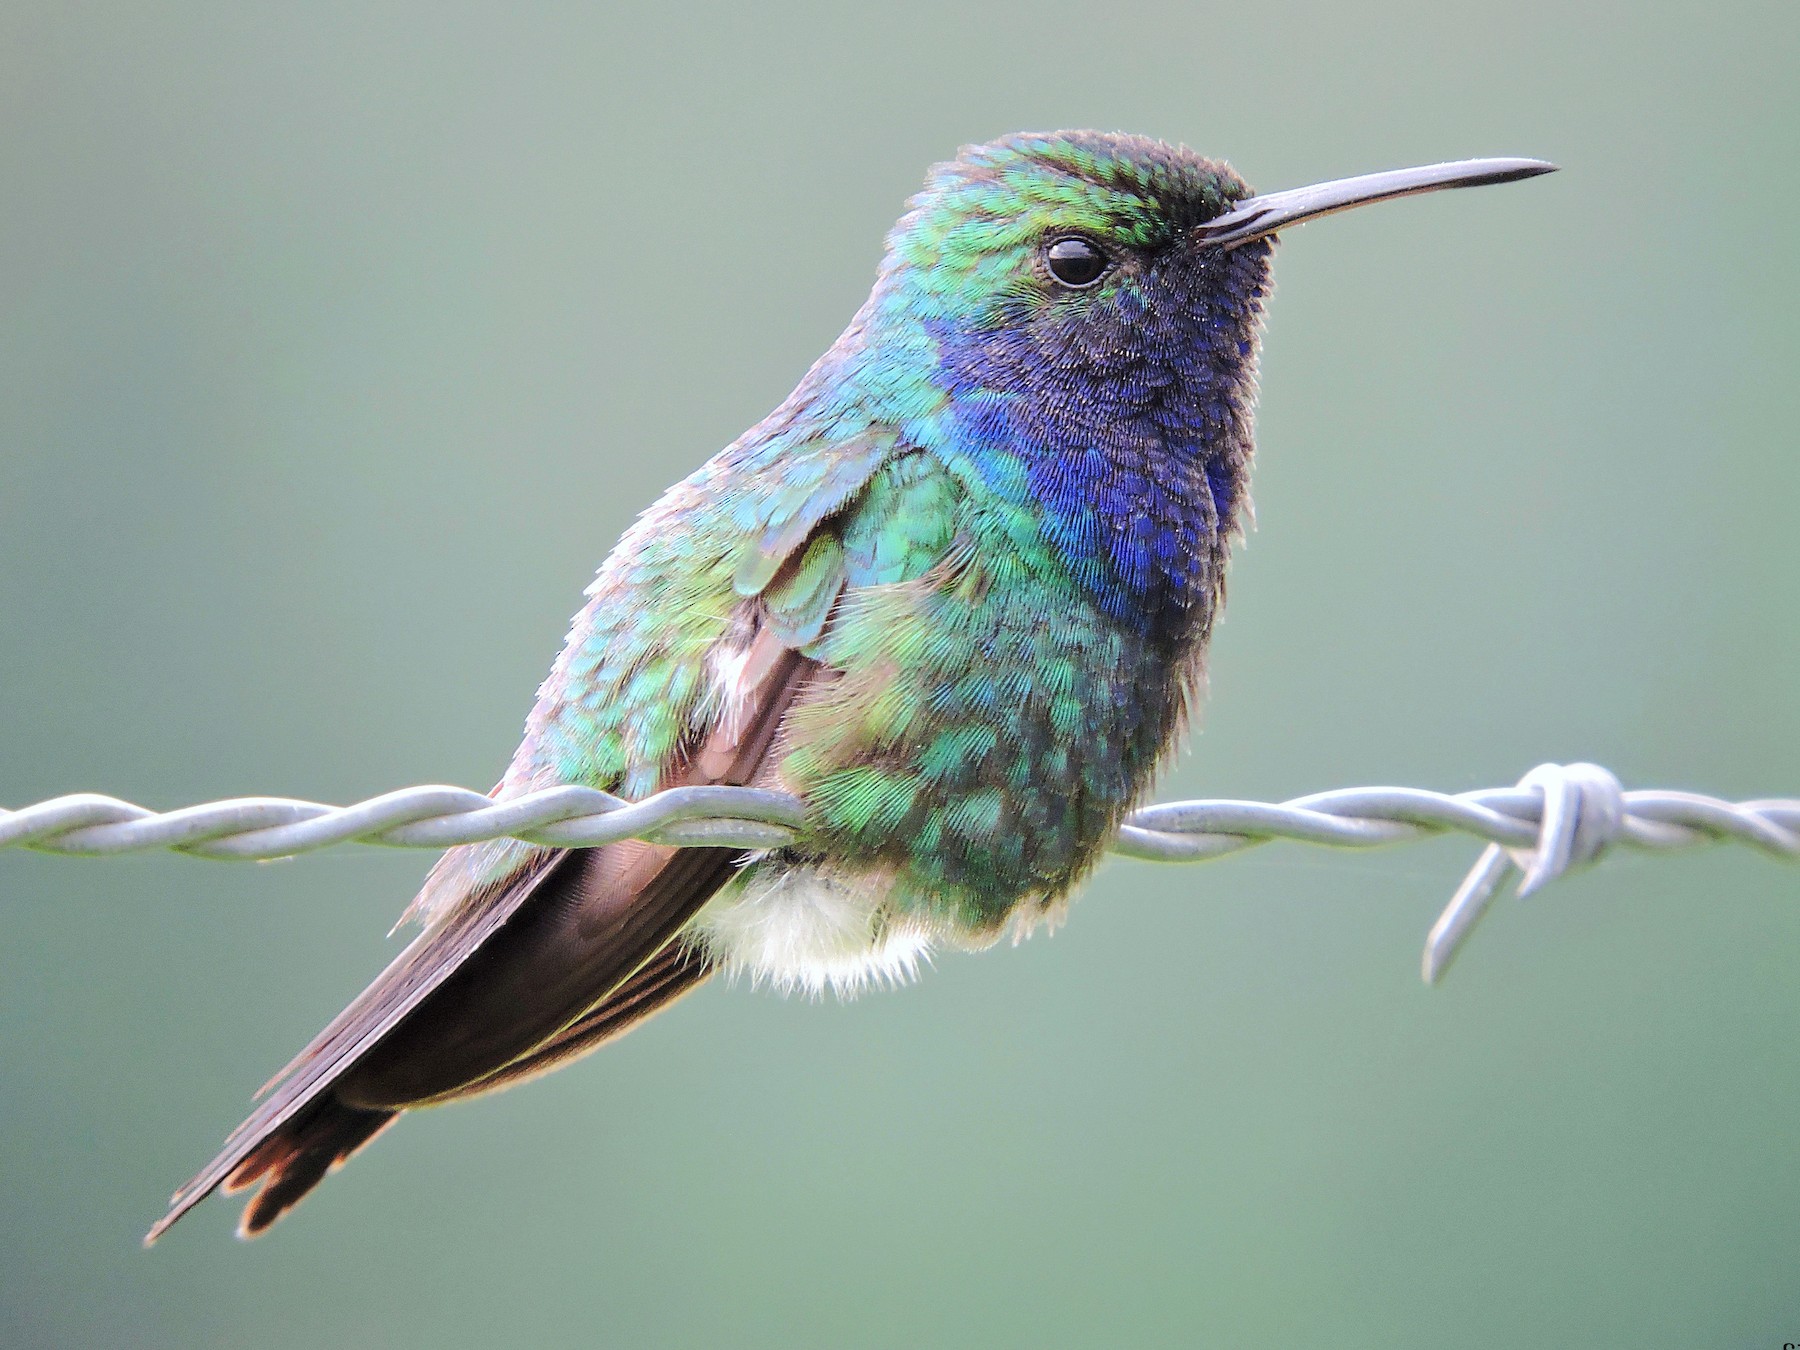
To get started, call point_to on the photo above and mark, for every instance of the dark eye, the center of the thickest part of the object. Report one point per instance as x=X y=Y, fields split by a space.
x=1075 y=261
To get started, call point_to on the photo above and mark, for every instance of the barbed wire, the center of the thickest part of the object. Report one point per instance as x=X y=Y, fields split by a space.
x=1557 y=818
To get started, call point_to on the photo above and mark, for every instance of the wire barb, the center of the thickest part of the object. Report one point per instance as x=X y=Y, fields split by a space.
x=1557 y=819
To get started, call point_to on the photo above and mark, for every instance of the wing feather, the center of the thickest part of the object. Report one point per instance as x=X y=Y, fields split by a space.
x=531 y=956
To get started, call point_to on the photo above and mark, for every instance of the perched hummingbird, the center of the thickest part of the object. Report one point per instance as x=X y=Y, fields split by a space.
x=954 y=593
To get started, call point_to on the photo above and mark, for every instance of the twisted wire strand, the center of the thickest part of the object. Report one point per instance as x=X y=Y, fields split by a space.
x=1556 y=819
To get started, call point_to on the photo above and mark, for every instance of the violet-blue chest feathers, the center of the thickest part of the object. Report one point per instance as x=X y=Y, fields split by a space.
x=1096 y=365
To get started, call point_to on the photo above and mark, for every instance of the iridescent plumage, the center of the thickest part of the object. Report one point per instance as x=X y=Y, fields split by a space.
x=955 y=593
x=996 y=513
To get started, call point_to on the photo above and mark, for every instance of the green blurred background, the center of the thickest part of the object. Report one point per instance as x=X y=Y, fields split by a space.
x=339 y=342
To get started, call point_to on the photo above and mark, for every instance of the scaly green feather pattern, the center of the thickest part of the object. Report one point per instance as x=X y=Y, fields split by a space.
x=990 y=727
x=995 y=513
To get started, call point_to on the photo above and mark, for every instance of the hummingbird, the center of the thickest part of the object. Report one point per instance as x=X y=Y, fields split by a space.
x=954 y=594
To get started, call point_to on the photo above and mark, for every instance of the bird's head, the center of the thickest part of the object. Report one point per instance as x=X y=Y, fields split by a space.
x=1083 y=256
x=1036 y=233
x=1085 y=309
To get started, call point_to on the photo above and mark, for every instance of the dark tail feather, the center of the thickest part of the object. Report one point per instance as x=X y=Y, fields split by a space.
x=290 y=1162
x=303 y=1151
x=538 y=967
x=678 y=969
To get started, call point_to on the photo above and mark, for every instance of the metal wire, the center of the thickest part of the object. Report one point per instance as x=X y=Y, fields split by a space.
x=1558 y=818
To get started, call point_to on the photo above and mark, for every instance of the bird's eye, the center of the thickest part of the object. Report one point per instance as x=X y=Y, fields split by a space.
x=1075 y=261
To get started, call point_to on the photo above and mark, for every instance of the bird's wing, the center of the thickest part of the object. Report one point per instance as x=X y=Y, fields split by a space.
x=678 y=670
x=676 y=970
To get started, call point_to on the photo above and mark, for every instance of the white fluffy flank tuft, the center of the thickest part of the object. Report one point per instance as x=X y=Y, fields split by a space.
x=734 y=683
x=798 y=928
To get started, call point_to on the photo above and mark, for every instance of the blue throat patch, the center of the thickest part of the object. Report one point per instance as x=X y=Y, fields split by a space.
x=1132 y=422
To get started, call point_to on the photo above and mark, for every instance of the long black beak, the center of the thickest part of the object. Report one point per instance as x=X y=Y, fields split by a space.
x=1257 y=216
